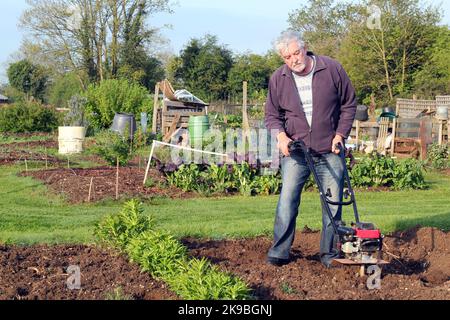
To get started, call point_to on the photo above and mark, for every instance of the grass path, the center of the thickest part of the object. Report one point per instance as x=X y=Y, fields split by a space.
x=31 y=214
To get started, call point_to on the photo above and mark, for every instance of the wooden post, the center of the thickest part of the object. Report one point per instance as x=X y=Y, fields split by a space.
x=155 y=108
x=90 y=189
x=441 y=132
x=46 y=161
x=394 y=129
x=117 y=179
x=26 y=166
x=357 y=136
x=68 y=163
x=245 y=124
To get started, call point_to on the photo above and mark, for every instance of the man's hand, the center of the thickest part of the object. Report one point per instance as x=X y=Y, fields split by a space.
x=283 y=142
x=337 y=140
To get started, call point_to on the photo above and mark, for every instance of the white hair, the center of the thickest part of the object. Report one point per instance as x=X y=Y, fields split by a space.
x=287 y=37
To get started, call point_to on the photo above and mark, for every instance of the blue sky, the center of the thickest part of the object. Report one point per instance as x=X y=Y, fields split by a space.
x=243 y=25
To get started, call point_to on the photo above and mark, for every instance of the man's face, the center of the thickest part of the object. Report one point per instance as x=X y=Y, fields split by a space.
x=294 y=57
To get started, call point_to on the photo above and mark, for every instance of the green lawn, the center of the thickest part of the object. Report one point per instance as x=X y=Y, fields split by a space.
x=30 y=214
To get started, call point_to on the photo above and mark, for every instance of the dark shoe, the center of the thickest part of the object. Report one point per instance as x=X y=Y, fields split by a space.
x=277 y=261
x=330 y=264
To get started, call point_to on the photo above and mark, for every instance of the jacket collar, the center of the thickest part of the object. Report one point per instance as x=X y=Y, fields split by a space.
x=320 y=65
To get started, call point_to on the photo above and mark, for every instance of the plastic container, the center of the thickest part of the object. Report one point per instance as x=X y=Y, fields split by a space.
x=362 y=113
x=70 y=139
x=442 y=112
x=198 y=125
x=122 y=122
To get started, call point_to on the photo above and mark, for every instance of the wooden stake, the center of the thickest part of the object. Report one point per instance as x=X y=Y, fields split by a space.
x=155 y=108
x=90 y=189
x=117 y=179
x=357 y=136
x=46 y=160
x=68 y=163
x=26 y=166
x=362 y=271
x=441 y=131
x=245 y=124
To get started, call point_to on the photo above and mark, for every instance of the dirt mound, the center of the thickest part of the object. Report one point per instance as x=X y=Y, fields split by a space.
x=419 y=267
x=74 y=183
x=40 y=272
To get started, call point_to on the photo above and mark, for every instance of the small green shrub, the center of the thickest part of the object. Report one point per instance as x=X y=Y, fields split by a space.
x=118 y=229
x=437 y=156
x=28 y=117
x=111 y=96
x=112 y=146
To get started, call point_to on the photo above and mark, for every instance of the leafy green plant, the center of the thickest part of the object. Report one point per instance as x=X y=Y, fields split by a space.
x=112 y=146
x=157 y=252
x=28 y=117
x=111 y=96
x=165 y=258
x=118 y=229
x=186 y=177
x=437 y=156
x=201 y=281
x=380 y=171
x=266 y=185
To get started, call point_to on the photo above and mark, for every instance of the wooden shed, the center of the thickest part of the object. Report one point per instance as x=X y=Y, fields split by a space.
x=171 y=114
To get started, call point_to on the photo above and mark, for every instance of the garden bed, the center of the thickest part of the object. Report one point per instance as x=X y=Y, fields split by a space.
x=40 y=272
x=10 y=157
x=74 y=183
x=421 y=271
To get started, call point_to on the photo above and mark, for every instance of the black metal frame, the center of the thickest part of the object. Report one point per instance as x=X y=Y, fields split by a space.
x=298 y=145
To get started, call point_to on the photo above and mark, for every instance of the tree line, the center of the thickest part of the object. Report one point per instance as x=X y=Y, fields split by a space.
x=79 y=42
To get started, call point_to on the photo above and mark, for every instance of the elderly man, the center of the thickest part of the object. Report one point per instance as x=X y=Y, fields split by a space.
x=311 y=99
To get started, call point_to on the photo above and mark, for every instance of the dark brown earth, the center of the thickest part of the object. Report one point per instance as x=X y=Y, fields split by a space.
x=74 y=183
x=40 y=272
x=15 y=156
x=419 y=268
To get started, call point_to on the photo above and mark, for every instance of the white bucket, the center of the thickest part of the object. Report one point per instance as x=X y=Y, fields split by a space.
x=70 y=139
x=442 y=112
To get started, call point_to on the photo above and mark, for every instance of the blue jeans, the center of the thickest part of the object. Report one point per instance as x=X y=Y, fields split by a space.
x=295 y=172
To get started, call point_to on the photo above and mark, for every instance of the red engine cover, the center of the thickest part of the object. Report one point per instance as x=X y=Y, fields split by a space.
x=368 y=234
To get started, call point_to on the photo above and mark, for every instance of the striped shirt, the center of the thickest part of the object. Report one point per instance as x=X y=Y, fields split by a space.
x=304 y=87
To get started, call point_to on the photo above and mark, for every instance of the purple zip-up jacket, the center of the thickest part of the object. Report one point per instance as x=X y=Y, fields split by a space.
x=334 y=105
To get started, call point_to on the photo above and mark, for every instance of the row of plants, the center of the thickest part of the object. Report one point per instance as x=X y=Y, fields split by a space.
x=217 y=179
x=377 y=170
x=372 y=171
x=165 y=258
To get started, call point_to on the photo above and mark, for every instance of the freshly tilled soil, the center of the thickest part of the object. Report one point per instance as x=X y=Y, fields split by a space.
x=419 y=269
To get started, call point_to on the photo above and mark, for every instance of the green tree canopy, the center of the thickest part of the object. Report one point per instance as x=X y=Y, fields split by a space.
x=204 y=67
x=28 y=78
